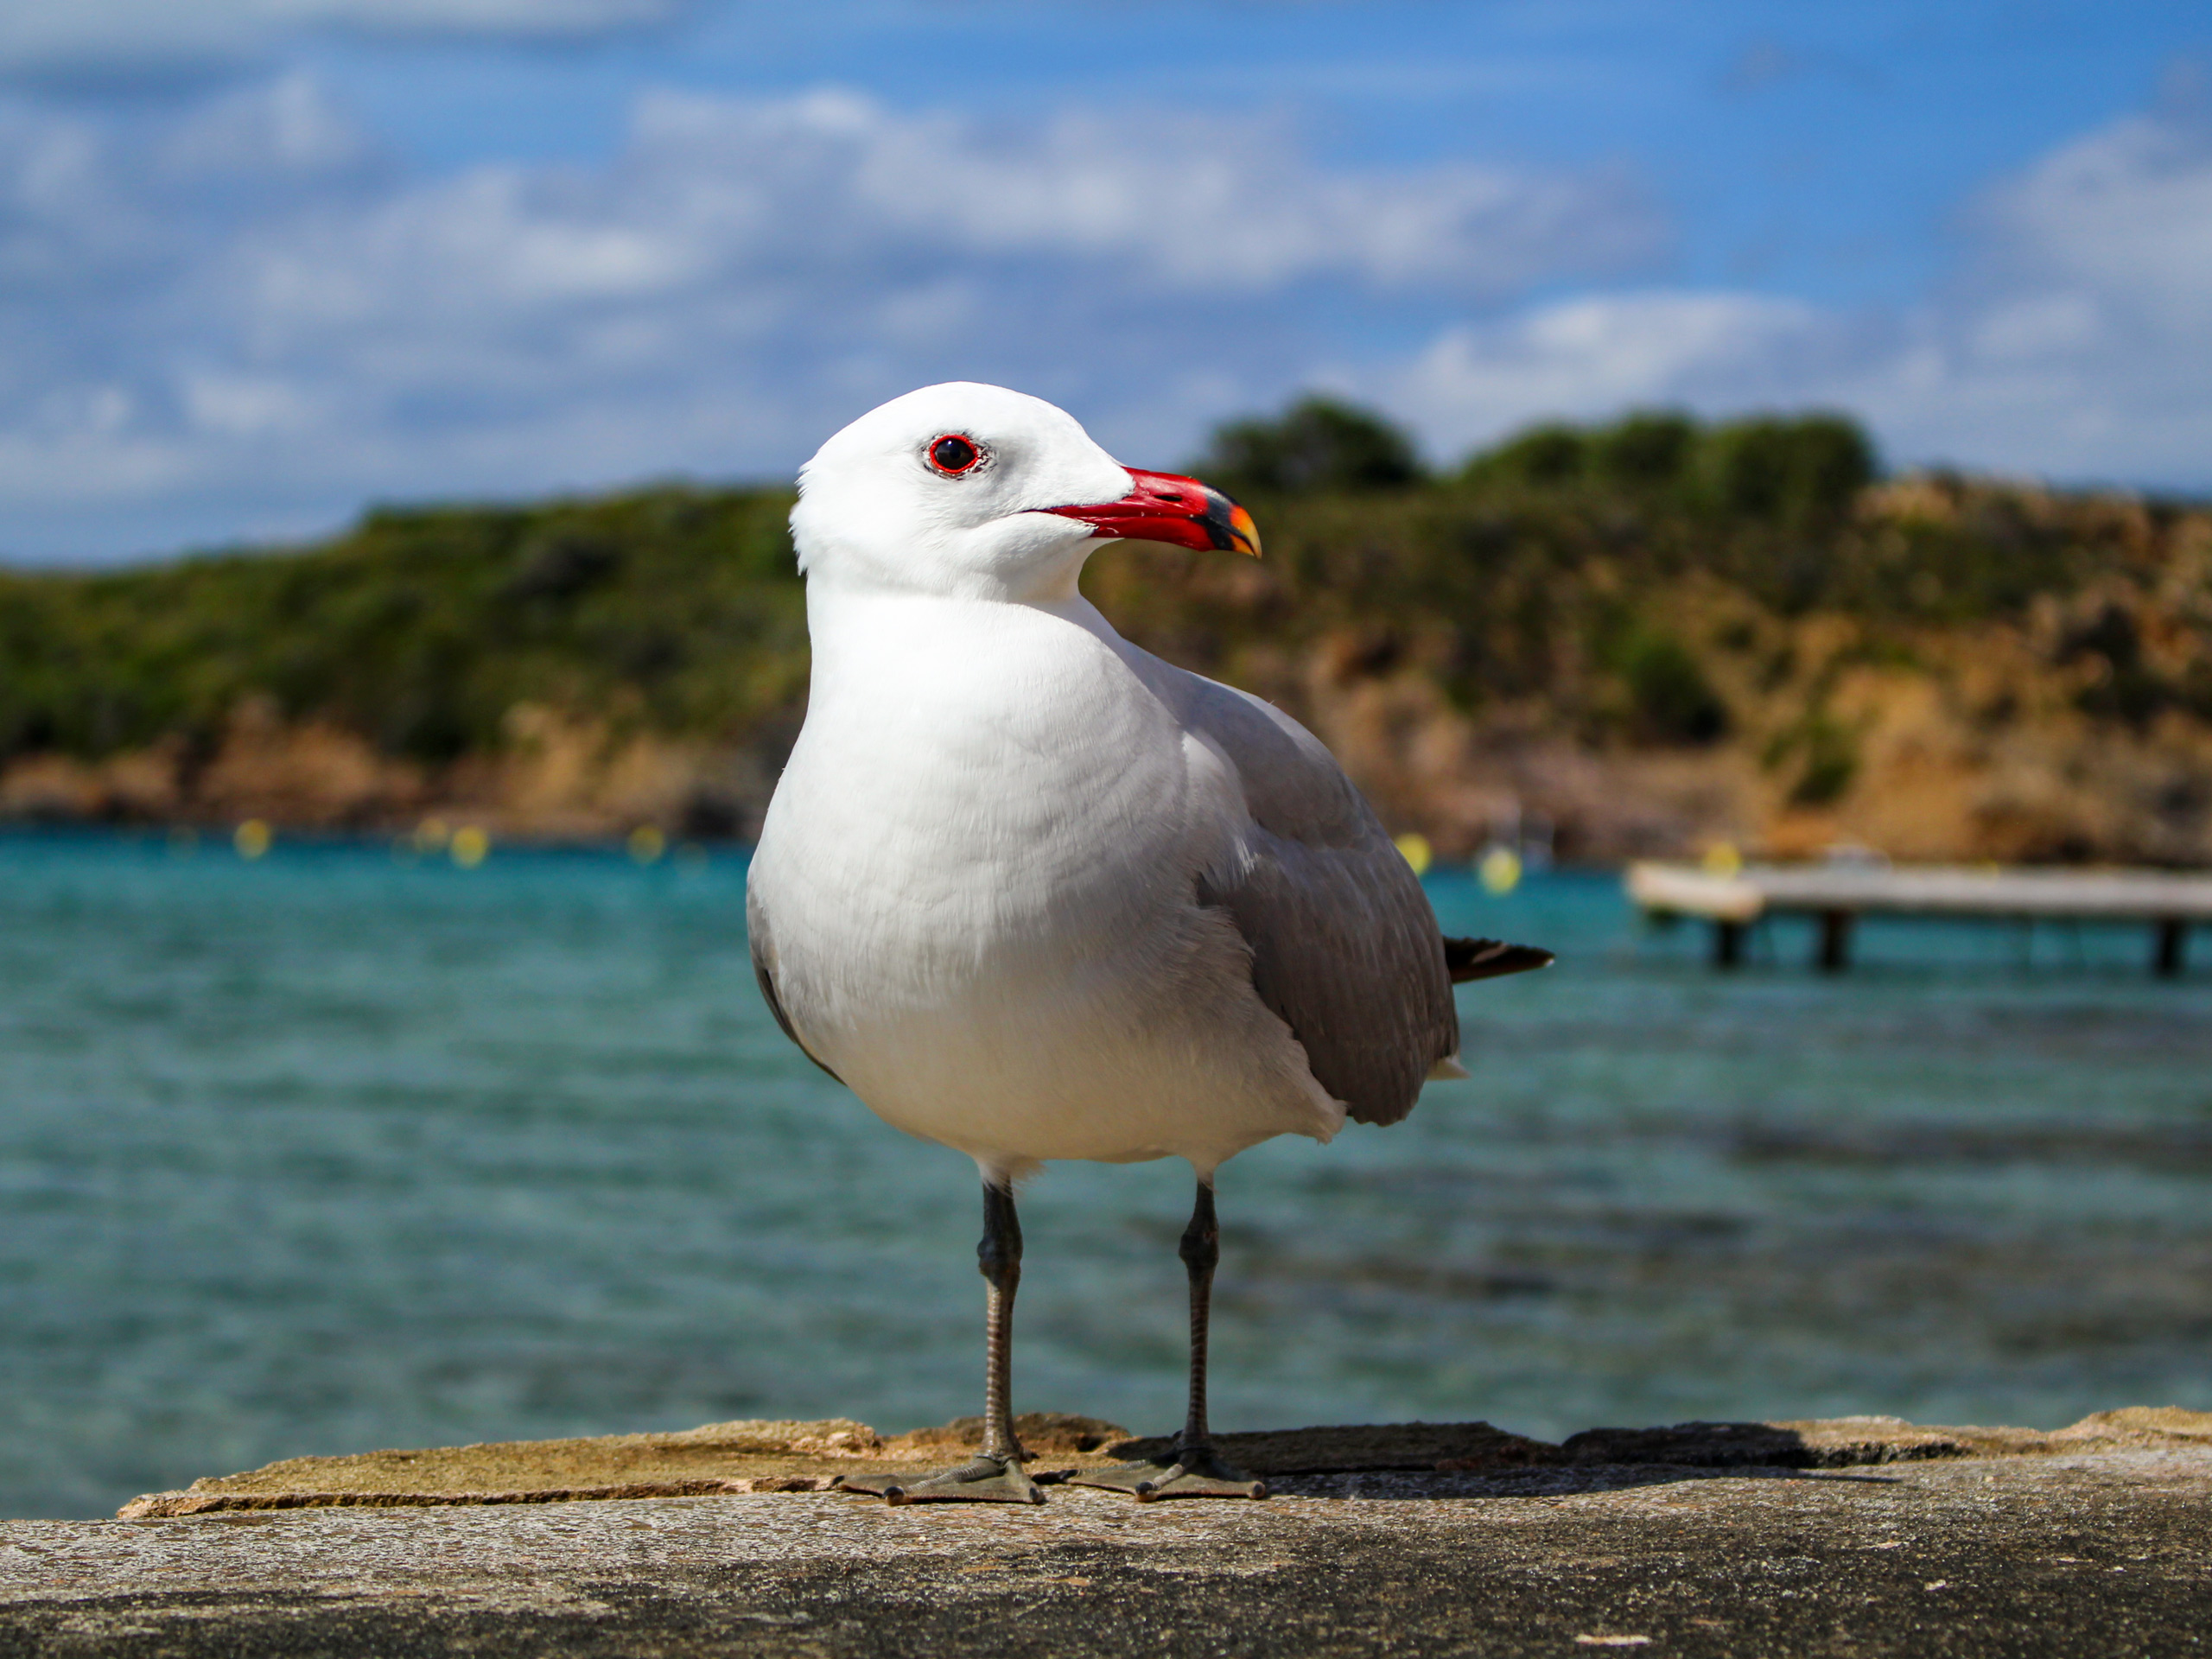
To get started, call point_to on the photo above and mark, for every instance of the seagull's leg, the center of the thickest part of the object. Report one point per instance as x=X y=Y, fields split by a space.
x=998 y=1257
x=1194 y=1452
x=1193 y=1469
x=994 y=1474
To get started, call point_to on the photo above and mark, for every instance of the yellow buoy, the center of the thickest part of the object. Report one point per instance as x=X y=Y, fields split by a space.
x=1416 y=851
x=251 y=838
x=647 y=844
x=1722 y=859
x=470 y=845
x=1499 y=870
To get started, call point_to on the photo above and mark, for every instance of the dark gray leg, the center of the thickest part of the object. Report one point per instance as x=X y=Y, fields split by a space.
x=998 y=1258
x=1192 y=1470
x=994 y=1474
x=1201 y=1252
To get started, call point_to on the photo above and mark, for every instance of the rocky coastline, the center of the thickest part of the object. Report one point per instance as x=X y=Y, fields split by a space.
x=1929 y=668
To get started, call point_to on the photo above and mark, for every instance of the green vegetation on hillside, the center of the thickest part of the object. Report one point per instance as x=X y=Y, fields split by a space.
x=675 y=609
x=1655 y=583
x=1545 y=568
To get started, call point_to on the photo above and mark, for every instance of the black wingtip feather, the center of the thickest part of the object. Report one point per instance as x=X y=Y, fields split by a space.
x=1471 y=959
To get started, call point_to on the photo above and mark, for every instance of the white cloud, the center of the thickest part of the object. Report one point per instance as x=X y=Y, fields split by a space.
x=251 y=304
x=2075 y=339
x=1594 y=355
x=247 y=318
x=2125 y=214
x=1221 y=205
x=73 y=37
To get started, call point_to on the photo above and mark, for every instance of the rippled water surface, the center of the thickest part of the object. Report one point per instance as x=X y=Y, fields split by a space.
x=325 y=1151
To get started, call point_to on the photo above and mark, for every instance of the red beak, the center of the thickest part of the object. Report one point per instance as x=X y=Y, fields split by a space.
x=1163 y=507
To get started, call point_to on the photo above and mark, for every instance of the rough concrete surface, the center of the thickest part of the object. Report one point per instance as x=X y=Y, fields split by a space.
x=2095 y=1551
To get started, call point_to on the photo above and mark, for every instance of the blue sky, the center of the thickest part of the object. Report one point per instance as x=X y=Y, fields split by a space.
x=264 y=260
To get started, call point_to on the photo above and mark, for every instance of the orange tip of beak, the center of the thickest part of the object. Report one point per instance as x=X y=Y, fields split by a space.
x=1243 y=534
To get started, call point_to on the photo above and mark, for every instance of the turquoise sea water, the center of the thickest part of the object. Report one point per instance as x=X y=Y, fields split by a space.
x=327 y=1152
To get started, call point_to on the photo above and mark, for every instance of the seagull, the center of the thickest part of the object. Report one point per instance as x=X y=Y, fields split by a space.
x=1033 y=893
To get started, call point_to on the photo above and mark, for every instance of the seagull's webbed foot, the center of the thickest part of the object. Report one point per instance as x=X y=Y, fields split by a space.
x=984 y=1479
x=1198 y=1473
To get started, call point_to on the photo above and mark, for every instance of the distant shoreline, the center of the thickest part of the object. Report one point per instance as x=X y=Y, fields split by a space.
x=1934 y=669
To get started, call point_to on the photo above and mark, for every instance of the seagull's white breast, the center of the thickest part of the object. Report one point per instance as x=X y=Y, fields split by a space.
x=978 y=873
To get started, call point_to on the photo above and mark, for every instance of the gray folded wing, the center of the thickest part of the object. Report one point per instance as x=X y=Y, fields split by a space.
x=1345 y=948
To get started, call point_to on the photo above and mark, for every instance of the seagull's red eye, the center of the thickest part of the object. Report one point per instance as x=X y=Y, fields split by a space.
x=954 y=455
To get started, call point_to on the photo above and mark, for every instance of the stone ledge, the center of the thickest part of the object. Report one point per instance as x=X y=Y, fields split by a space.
x=737 y=1459
x=2101 y=1545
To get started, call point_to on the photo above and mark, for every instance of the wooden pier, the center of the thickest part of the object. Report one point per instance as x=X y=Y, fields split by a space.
x=1836 y=895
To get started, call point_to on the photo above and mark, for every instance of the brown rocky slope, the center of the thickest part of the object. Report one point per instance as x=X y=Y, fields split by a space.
x=1931 y=667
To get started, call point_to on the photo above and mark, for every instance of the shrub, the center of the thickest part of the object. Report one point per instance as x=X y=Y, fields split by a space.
x=1672 y=701
x=1318 y=444
x=1803 y=472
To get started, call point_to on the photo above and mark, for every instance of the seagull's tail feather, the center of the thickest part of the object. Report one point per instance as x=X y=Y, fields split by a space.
x=1471 y=959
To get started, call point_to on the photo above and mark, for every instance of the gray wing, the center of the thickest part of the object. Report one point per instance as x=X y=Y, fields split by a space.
x=1345 y=948
x=764 y=961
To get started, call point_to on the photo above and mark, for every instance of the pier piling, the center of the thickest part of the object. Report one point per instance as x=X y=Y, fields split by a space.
x=1835 y=941
x=1727 y=944
x=2173 y=948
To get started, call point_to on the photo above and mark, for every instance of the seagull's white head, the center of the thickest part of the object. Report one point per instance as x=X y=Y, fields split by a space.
x=977 y=492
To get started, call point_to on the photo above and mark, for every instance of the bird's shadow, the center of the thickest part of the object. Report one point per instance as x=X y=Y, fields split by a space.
x=1386 y=1484
x=1424 y=1460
